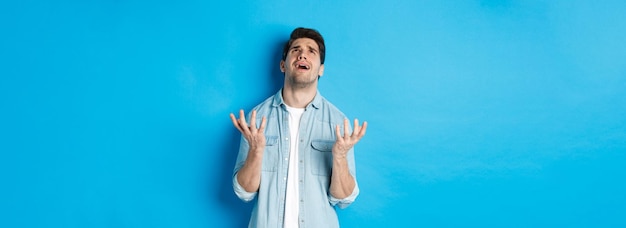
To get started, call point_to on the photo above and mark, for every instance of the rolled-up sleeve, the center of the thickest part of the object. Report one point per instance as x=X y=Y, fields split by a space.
x=345 y=202
x=242 y=193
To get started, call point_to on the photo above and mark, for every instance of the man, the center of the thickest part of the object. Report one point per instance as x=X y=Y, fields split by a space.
x=296 y=154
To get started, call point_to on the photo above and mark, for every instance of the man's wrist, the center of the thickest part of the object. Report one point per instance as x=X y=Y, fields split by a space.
x=256 y=152
x=339 y=156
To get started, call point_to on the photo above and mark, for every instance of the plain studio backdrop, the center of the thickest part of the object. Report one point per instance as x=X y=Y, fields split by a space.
x=482 y=113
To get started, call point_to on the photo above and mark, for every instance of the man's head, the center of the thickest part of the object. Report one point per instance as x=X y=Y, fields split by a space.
x=306 y=33
x=303 y=58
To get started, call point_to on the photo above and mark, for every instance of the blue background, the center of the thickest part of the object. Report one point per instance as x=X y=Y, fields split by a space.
x=482 y=113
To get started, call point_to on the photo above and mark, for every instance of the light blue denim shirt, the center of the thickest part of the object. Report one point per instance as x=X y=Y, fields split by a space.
x=317 y=136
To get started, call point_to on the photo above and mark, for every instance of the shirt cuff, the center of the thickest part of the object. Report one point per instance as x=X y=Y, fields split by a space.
x=242 y=193
x=345 y=202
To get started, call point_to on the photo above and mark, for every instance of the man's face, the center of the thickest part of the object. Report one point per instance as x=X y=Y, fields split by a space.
x=302 y=64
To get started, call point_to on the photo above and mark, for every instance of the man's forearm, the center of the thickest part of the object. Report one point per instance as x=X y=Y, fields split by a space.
x=249 y=176
x=342 y=182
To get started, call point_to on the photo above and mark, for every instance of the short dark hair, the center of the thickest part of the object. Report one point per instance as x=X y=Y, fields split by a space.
x=306 y=33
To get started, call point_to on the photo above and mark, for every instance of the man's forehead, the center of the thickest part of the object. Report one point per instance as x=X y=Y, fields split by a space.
x=305 y=42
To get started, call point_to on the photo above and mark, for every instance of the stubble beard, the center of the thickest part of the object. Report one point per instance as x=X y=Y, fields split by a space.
x=301 y=82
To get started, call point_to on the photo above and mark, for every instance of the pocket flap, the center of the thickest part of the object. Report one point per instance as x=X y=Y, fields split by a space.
x=323 y=145
x=271 y=140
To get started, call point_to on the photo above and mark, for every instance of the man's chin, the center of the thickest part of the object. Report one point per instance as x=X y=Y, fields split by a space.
x=302 y=83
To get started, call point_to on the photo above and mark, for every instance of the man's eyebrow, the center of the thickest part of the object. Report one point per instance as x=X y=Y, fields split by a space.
x=312 y=48
x=297 y=46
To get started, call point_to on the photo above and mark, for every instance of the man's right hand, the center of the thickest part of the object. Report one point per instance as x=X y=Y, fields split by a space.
x=254 y=135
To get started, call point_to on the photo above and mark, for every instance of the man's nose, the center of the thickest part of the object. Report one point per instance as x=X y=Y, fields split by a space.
x=301 y=56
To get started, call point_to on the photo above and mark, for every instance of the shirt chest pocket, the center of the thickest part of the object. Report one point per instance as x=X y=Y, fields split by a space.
x=270 y=156
x=322 y=157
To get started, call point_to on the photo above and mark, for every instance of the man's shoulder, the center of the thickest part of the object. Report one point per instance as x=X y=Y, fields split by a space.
x=266 y=104
x=328 y=107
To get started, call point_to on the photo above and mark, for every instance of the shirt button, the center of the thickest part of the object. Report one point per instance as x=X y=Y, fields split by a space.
x=300 y=161
x=286 y=138
x=285 y=159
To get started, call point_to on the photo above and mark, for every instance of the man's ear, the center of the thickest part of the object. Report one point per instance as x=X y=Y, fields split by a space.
x=282 y=66
x=321 y=71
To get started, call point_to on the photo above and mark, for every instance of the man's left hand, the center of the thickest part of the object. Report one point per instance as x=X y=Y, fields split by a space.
x=346 y=141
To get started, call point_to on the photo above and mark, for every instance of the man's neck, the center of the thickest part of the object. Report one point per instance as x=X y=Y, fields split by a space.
x=298 y=97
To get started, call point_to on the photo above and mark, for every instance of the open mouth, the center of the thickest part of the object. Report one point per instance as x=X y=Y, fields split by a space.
x=302 y=66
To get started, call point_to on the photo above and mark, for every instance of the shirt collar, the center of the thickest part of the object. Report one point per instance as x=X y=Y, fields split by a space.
x=316 y=103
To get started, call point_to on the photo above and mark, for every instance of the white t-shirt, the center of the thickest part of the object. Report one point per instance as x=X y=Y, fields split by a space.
x=291 y=200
